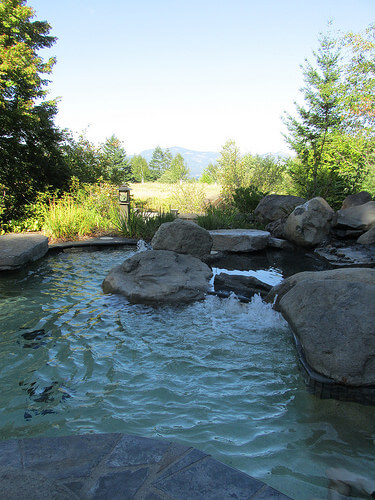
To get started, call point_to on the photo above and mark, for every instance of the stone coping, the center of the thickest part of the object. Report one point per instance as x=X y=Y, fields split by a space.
x=104 y=241
x=119 y=466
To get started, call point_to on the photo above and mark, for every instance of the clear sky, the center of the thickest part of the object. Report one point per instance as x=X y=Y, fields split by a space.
x=189 y=73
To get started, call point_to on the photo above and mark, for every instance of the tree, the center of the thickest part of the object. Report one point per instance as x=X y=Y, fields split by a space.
x=30 y=154
x=360 y=80
x=231 y=172
x=210 y=174
x=177 y=172
x=322 y=114
x=83 y=158
x=114 y=164
x=139 y=168
x=266 y=172
x=160 y=162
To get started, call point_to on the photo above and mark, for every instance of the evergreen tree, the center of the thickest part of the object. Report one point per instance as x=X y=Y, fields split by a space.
x=30 y=154
x=115 y=166
x=321 y=115
x=160 y=162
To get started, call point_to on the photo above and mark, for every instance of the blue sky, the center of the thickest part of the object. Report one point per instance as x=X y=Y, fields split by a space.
x=189 y=73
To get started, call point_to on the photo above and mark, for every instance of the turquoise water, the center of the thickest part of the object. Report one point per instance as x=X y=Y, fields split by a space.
x=218 y=375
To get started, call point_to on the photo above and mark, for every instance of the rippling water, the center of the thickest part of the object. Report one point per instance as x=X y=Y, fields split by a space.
x=218 y=375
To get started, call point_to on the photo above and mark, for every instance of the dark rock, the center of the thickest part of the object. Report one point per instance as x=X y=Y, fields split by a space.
x=357 y=217
x=276 y=206
x=244 y=286
x=353 y=200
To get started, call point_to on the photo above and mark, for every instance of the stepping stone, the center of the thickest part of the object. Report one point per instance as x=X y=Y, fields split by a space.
x=239 y=240
x=17 y=249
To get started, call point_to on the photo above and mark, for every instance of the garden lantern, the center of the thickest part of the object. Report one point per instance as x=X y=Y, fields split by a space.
x=124 y=200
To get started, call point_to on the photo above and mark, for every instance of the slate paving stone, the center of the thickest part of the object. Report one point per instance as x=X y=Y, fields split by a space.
x=119 y=485
x=10 y=454
x=209 y=480
x=61 y=457
x=119 y=466
x=136 y=450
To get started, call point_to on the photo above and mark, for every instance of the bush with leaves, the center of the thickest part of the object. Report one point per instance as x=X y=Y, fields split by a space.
x=246 y=199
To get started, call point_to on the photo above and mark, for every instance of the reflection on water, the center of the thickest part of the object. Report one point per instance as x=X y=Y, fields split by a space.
x=218 y=375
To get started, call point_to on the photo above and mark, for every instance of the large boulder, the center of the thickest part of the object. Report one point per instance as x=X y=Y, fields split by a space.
x=367 y=238
x=17 y=249
x=357 y=217
x=309 y=224
x=353 y=200
x=182 y=237
x=159 y=277
x=239 y=240
x=276 y=206
x=334 y=321
x=362 y=274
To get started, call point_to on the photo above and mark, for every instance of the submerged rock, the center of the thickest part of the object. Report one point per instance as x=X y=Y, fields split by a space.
x=183 y=237
x=332 y=316
x=158 y=277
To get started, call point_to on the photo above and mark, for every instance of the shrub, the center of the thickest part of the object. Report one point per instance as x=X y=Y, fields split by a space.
x=246 y=199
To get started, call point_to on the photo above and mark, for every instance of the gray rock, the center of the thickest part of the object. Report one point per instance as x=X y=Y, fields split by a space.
x=276 y=206
x=357 y=217
x=367 y=238
x=159 y=277
x=353 y=200
x=363 y=275
x=351 y=256
x=239 y=240
x=245 y=286
x=17 y=249
x=183 y=237
x=334 y=320
x=277 y=227
x=309 y=224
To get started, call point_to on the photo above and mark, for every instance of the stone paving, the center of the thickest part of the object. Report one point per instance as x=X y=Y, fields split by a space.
x=119 y=467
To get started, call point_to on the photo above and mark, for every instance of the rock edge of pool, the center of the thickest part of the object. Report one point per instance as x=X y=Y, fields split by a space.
x=119 y=466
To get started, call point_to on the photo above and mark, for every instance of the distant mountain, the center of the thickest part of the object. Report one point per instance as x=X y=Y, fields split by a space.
x=197 y=161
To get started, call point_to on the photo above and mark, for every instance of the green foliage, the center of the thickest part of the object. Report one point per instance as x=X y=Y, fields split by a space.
x=139 y=169
x=267 y=172
x=177 y=172
x=188 y=197
x=86 y=210
x=159 y=163
x=30 y=155
x=223 y=216
x=322 y=115
x=83 y=158
x=246 y=199
x=210 y=174
x=114 y=164
x=141 y=223
x=231 y=171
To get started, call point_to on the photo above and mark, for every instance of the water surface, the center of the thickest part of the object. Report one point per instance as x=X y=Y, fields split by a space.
x=217 y=375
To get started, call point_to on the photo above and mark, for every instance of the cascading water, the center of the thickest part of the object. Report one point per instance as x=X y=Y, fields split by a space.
x=218 y=375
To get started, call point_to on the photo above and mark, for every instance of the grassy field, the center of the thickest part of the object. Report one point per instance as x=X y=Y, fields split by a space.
x=187 y=197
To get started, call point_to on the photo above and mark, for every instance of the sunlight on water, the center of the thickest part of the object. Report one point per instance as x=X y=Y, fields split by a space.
x=218 y=375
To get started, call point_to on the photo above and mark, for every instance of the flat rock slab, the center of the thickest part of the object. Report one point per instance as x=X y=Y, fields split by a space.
x=119 y=466
x=239 y=240
x=17 y=249
x=355 y=255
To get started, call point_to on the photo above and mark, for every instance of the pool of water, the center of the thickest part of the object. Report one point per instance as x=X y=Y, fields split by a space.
x=218 y=375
